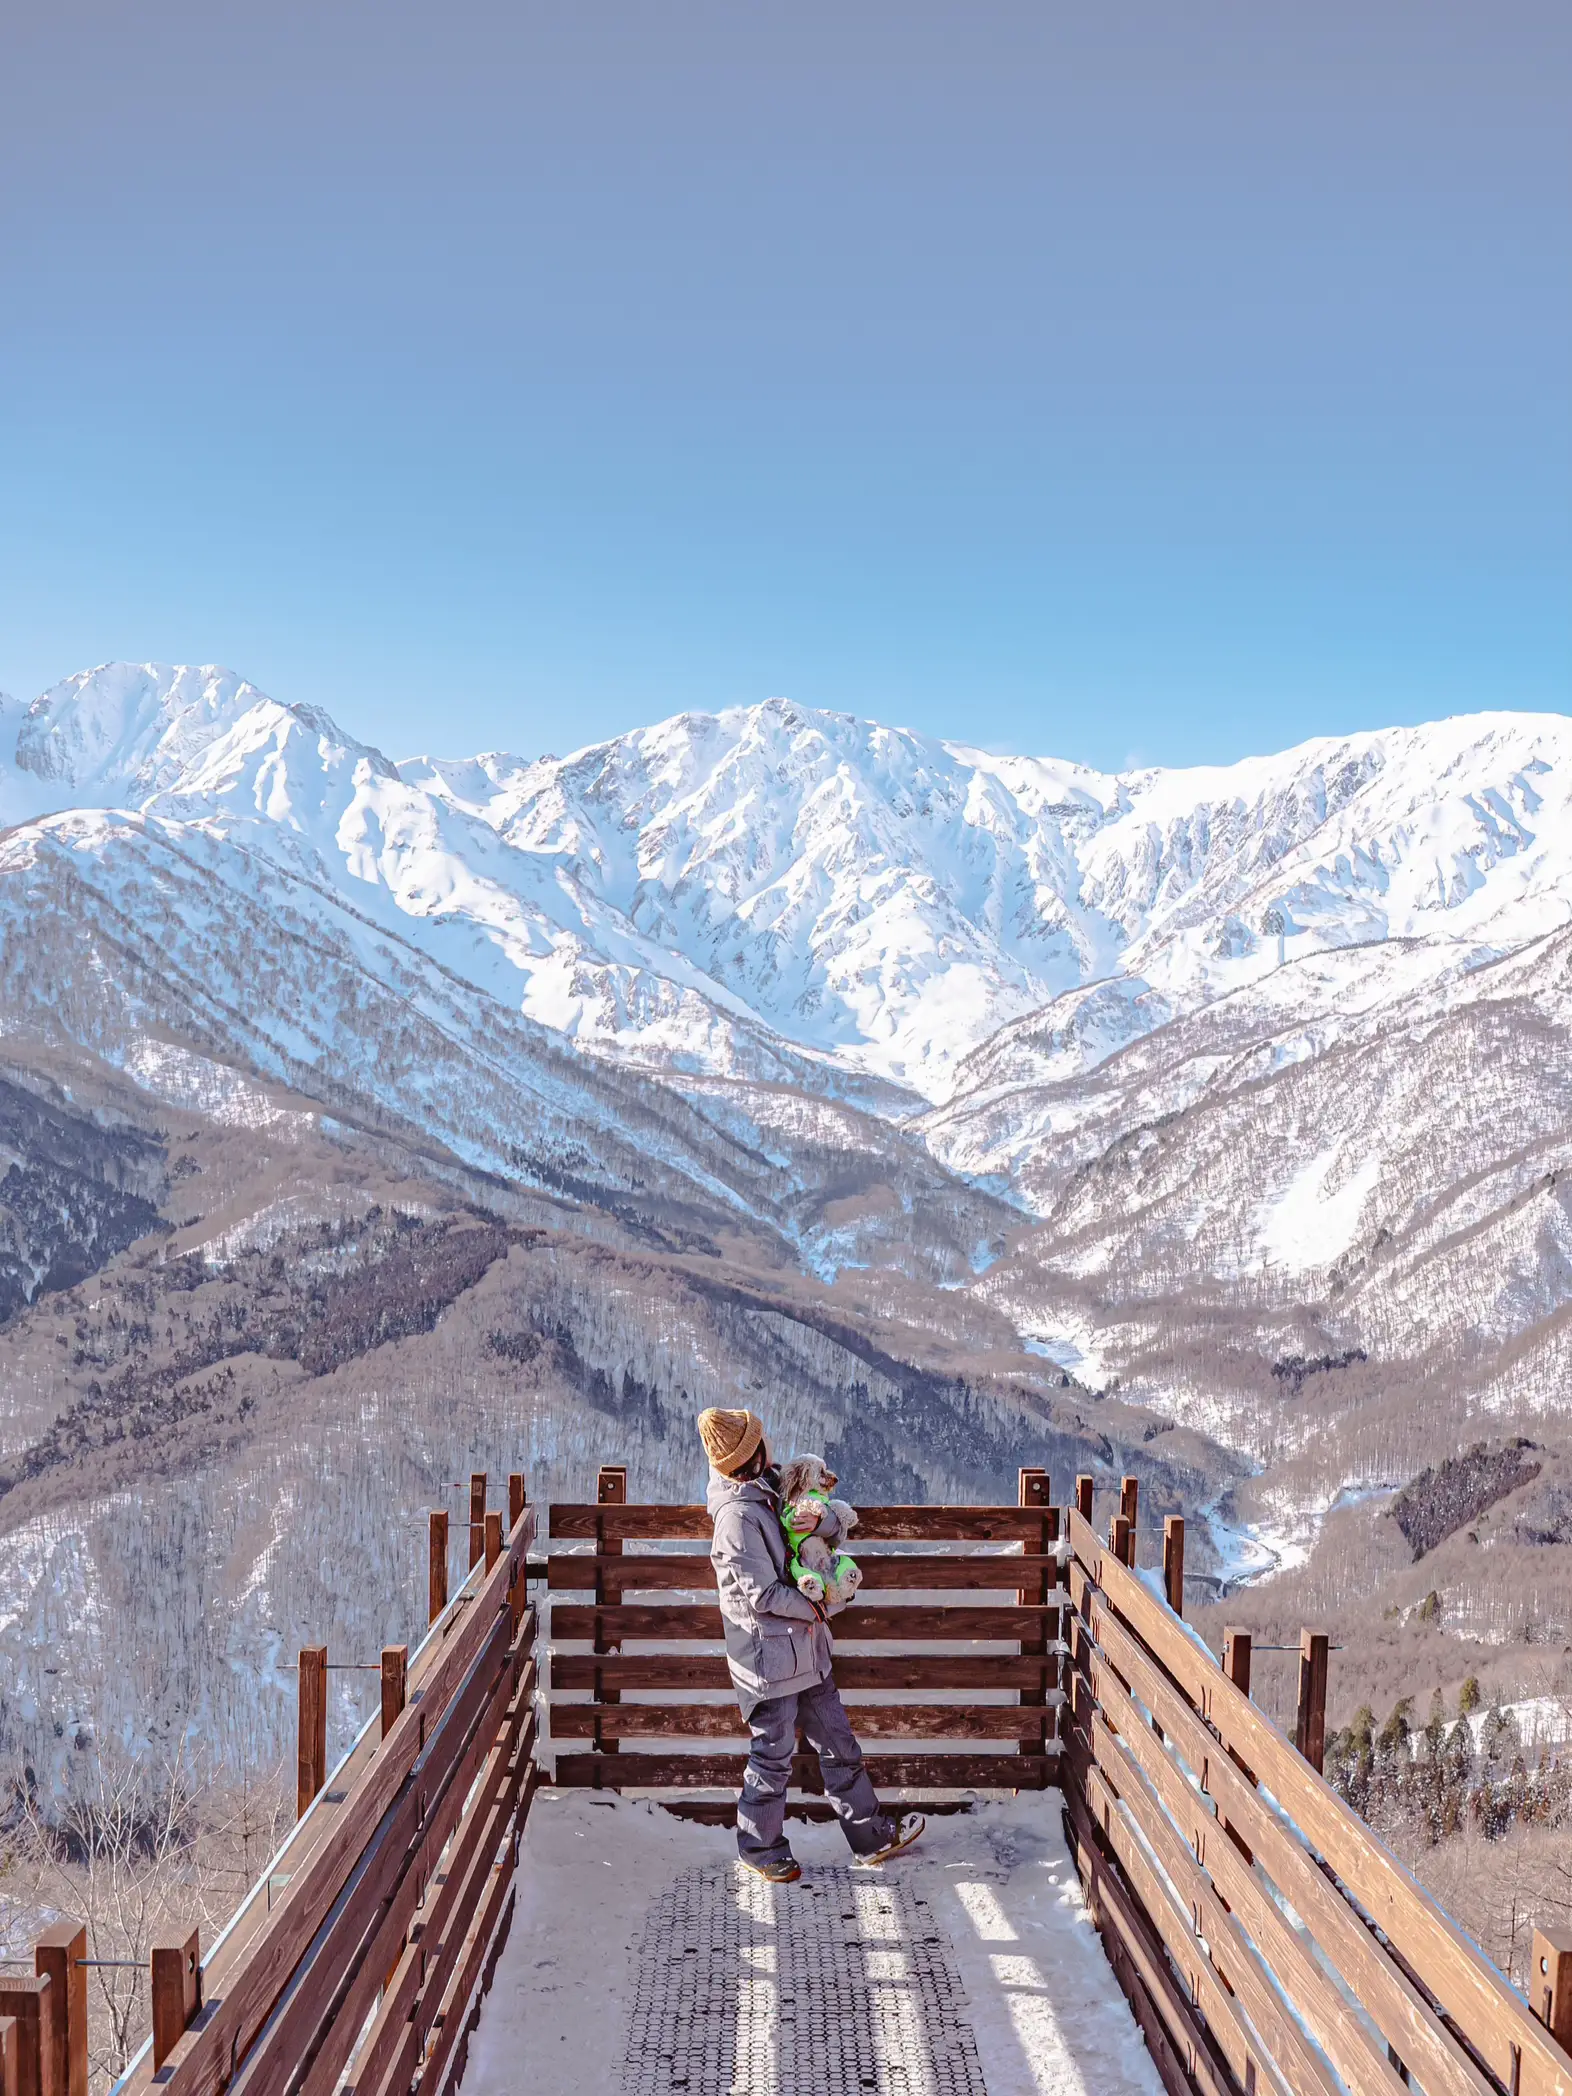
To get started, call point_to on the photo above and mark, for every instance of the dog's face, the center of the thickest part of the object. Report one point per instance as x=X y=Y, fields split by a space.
x=806 y=1474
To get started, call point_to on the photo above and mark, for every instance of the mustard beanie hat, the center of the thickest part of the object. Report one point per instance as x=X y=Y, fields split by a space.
x=729 y=1438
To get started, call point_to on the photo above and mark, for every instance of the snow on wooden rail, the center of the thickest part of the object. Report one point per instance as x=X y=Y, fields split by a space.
x=965 y=1592
x=1265 y=1938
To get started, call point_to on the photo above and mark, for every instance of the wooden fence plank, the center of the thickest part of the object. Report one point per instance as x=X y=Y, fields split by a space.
x=984 y=1623
x=315 y=2023
x=674 y=1574
x=724 y=1721
x=1247 y=2052
x=486 y=1770
x=10 y=2065
x=853 y=1671
x=1360 y=2059
x=1405 y=2019
x=582 y=1522
x=1125 y=1928
x=1228 y=1944
x=338 y=1957
x=1479 y=2000
x=205 y=2060
x=724 y=1771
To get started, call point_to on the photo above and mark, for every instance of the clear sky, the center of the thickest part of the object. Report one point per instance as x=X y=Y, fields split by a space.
x=1154 y=378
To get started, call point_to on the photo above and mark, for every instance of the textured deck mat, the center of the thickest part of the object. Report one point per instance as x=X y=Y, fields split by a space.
x=840 y=1984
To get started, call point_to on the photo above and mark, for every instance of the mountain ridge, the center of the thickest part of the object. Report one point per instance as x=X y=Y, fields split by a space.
x=719 y=890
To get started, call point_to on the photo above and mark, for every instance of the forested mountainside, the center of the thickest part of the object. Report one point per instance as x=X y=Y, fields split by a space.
x=363 y=1122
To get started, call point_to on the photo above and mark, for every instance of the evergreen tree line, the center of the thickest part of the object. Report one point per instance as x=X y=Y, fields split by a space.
x=1452 y=1772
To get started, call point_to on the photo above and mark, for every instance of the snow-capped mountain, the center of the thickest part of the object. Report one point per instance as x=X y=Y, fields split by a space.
x=804 y=897
x=1240 y=1096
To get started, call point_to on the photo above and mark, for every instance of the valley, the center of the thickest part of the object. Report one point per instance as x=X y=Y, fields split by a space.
x=363 y=1122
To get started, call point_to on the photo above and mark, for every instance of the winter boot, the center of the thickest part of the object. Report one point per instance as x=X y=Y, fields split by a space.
x=900 y=1832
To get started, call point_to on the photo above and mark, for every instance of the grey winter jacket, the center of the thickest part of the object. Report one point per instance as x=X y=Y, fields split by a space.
x=776 y=1641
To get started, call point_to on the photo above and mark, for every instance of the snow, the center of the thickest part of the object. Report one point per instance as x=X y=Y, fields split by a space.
x=771 y=882
x=1306 y=1226
x=1046 y=2011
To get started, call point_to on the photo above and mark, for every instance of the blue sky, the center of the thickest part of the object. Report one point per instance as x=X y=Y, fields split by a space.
x=1132 y=381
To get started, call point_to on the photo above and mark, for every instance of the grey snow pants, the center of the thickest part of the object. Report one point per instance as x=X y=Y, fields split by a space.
x=761 y=1809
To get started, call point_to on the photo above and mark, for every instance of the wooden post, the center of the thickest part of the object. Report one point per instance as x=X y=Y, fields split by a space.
x=1310 y=1725
x=1550 y=1982
x=8 y=2060
x=30 y=2004
x=1173 y=1562
x=311 y=1745
x=1121 y=1539
x=1129 y=1498
x=57 y=1957
x=1237 y=1646
x=395 y=1679
x=1237 y=1642
x=516 y=1499
x=1033 y=1490
x=477 y=1517
x=493 y=1538
x=611 y=1489
x=438 y=1576
x=177 y=1994
x=1084 y=1487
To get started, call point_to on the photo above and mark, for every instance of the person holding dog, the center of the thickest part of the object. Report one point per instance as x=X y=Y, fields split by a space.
x=779 y=1650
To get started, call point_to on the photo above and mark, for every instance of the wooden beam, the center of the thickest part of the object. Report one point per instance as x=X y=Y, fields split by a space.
x=683 y=1721
x=1130 y=1498
x=395 y=1682
x=1237 y=1644
x=882 y=1572
x=1085 y=1487
x=1550 y=1987
x=311 y=1729
x=606 y=1771
x=264 y=1947
x=1493 y=2017
x=987 y=1622
x=29 y=2006
x=516 y=1498
x=1310 y=1721
x=1121 y=1539
x=1173 y=1562
x=853 y=1671
x=1404 y=2018
x=611 y=1490
x=477 y=1517
x=579 y=1521
x=493 y=1538
x=437 y=1578
x=58 y=1955
x=177 y=1993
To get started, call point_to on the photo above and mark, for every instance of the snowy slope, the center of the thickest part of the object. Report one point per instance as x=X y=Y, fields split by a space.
x=797 y=897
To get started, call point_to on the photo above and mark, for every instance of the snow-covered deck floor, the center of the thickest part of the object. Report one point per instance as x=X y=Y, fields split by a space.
x=643 y=1960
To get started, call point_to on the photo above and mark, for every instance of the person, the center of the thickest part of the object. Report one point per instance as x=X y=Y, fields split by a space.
x=779 y=1648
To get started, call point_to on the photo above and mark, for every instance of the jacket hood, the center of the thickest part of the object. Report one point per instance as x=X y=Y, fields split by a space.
x=724 y=1488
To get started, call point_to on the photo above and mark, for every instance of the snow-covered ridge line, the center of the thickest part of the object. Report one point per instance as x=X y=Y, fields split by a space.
x=808 y=898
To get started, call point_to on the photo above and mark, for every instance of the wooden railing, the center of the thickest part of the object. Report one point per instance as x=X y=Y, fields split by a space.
x=359 y=1958
x=1265 y=1938
x=978 y=1629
